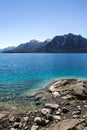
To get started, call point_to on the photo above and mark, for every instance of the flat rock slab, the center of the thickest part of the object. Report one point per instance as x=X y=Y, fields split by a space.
x=69 y=124
x=52 y=127
x=2 y=116
x=70 y=87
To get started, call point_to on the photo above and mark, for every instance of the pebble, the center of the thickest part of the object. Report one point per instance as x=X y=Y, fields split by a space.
x=58 y=112
x=84 y=116
x=46 y=111
x=76 y=113
x=11 y=118
x=26 y=128
x=79 y=107
x=49 y=117
x=65 y=110
x=85 y=106
x=40 y=121
x=34 y=127
x=56 y=94
x=26 y=119
x=57 y=118
x=13 y=129
x=76 y=116
x=16 y=125
x=52 y=106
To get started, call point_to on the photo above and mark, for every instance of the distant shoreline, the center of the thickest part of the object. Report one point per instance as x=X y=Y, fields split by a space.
x=68 y=43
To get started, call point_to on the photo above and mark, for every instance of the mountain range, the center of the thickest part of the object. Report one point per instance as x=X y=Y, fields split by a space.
x=7 y=49
x=69 y=43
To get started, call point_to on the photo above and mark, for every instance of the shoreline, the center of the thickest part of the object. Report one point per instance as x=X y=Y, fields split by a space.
x=38 y=91
x=61 y=102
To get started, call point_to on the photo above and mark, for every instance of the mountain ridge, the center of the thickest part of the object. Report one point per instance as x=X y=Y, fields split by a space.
x=7 y=48
x=67 y=43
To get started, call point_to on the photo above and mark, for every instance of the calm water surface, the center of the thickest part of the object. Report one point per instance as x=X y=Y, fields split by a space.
x=21 y=74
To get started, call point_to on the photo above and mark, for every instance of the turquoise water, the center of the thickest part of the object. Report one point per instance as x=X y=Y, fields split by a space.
x=21 y=74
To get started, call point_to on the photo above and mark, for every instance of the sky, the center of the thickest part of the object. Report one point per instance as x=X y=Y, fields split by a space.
x=24 y=20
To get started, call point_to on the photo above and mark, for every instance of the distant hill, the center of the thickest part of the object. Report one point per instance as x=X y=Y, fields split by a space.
x=59 y=44
x=7 y=49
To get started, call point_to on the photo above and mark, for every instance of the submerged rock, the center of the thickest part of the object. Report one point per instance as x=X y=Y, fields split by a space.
x=67 y=111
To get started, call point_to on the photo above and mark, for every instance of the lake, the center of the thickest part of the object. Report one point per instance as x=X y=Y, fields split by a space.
x=20 y=74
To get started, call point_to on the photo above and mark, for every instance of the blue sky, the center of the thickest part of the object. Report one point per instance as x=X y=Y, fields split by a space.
x=23 y=20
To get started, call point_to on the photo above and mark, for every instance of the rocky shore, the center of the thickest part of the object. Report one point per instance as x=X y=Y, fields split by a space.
x=61 y=105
